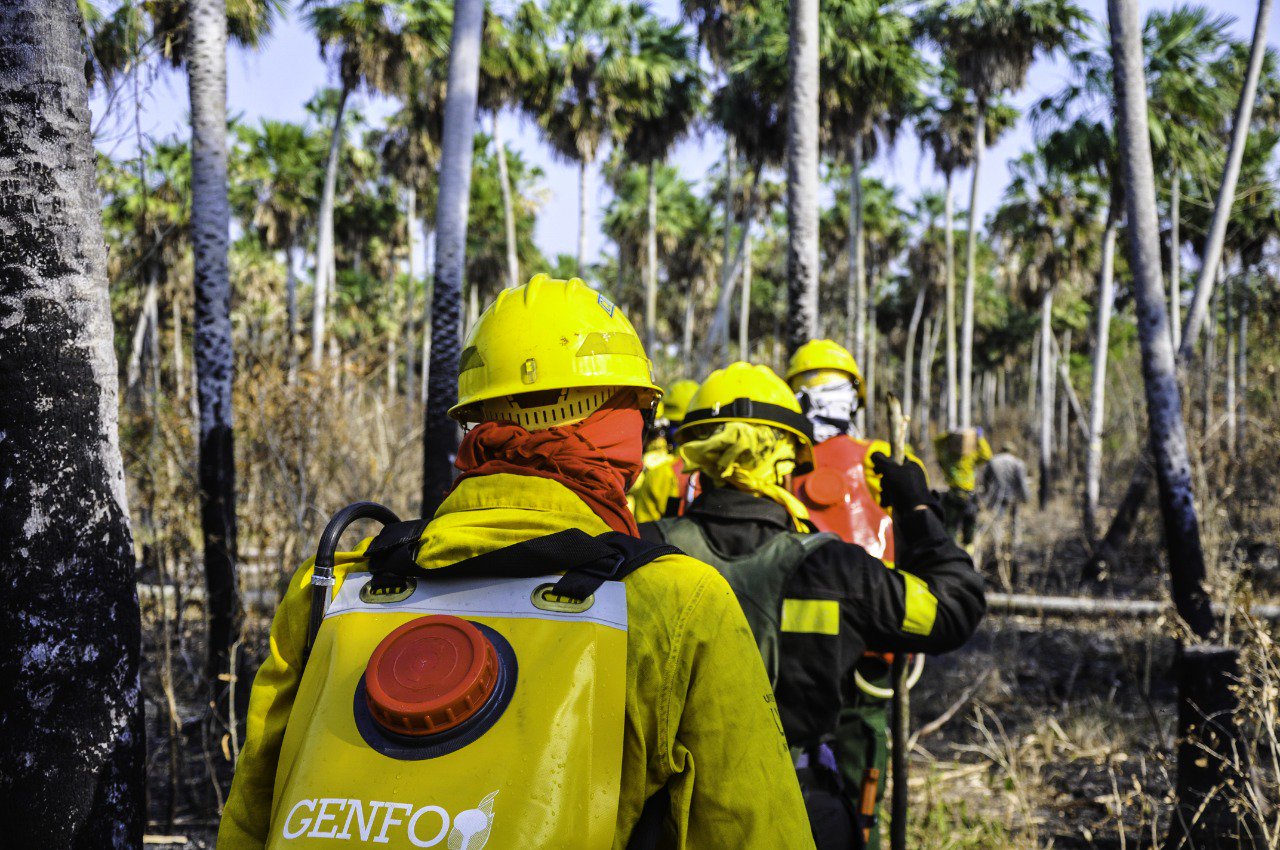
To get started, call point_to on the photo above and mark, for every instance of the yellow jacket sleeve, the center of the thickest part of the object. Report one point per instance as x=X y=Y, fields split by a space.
x=732 y=783
x=246 y=819
x=655 y=487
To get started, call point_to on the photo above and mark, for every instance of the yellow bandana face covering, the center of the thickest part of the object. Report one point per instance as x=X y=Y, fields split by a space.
x=750 y=457
x=540 y=762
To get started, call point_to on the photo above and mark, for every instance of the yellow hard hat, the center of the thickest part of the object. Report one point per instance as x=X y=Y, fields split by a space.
x=548 y=353
x=817 y=359
x=677 y=399
x=741 y=392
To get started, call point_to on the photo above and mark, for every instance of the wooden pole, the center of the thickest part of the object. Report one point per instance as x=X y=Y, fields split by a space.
x=900 y=709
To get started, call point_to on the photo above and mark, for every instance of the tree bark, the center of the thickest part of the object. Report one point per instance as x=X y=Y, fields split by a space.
x=716 y=342
x=210 y=232
x=802 y=174
x=584 y=212
x=744 y=313
x=291 y=313
x=73 y=746
x=1212 y=251
x=868 y=416
x=971 y=271
x=1175 y=258
x=1209 y=362
x=1242 y=373
x=508 y=207
x=1230 y=176
x=686 y=338
x=1098 y=391
x=908 y=375
x=1167 y=432
x=856 y=299
x=651 y=261
x=440 y=433
x=1047 y=383
x=952 y=394
x=926 y=373
x=410 y=320
x=324 y=248
x=1230 y=390
x=726 y=235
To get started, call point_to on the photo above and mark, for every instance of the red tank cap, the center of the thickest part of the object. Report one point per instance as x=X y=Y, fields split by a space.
x=825 y=487
x=430 y=675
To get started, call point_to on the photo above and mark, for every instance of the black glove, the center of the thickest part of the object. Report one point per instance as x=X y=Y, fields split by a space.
x=902 y=485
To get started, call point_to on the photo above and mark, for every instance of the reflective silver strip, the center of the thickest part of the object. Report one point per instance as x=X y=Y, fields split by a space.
x=483 y=597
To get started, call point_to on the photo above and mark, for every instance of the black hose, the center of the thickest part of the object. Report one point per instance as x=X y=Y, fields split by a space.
x=322 y=574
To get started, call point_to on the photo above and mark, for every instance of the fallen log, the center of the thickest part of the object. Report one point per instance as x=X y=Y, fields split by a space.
x=1085 y=607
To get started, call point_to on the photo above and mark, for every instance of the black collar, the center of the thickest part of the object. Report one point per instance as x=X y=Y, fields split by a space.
x=726 y=503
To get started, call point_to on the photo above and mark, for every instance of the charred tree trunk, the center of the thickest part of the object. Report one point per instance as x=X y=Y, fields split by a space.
x=802 y=174
x=1164 y=404
x=71 y=749
x=952 y=393
x=440 y=433
x=210 y=232
x=1222 y=208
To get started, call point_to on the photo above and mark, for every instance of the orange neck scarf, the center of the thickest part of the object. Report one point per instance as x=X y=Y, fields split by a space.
x=597 y=458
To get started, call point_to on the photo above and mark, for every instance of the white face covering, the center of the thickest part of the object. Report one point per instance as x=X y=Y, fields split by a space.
x=830 y=408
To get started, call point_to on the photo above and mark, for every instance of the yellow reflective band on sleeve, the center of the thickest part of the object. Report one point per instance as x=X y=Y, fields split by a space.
x=921 y=605
x=811 y=616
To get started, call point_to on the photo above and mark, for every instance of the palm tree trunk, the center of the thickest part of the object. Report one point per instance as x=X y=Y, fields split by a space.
x=1033 y=377
x=291 y=310
x=1047 y=382
x=1175 y=258
x=866 y=418
x=686 y=340
x=210 y=229
x=926 y=375
x=651 y=262
x=74 y=762
x=410 y=321
x=508 y=208
x=856 y=302
x=1098 y=390
x=1230 y=338
x=717 y=340
x=1209 y=362
x=726 y=235
x=909 y=360
x=971 y=270
x=802 y=174
x=952 y=394
x=1242 y=372
x=146 y=328
x=1212 y=252
x=440 y=433
x=324 y=250
x=584 y=212
x=1167 y=432
x=744 y=314
x=179 y=366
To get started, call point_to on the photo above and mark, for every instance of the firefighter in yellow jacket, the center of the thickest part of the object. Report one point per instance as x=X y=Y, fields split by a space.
x=660 y=488
x=450 y=699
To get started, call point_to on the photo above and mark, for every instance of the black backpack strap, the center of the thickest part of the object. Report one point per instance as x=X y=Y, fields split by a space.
x=395 y=550
x=587 y=561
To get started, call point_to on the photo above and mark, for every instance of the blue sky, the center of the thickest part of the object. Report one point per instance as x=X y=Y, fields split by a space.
x=277 y=81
